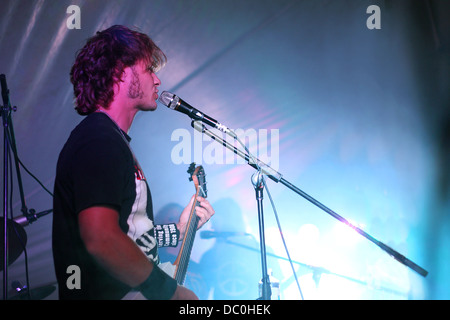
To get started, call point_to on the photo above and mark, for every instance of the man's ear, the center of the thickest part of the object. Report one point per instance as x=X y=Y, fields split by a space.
x=125 y=74
x=122 y=79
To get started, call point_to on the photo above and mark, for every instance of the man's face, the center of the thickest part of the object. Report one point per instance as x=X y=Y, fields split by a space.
x=142 y=86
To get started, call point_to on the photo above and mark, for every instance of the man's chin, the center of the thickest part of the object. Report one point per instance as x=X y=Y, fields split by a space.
x=148 y=108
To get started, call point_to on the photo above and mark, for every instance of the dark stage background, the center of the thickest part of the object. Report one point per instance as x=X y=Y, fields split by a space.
x=358 y=118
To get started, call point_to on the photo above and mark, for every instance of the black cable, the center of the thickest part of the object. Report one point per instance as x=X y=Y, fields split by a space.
x=282 y=238
x=34 y=177
x=252 y=158
x=23 y=245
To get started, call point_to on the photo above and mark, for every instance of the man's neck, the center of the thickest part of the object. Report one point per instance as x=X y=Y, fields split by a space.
x=122 y=118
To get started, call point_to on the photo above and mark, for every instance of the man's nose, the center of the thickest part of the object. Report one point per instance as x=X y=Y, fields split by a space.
x=156 y=80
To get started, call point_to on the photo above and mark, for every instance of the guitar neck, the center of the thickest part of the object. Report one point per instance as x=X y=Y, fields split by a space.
x=185 y=251
x=182 y=261
x=184 y=255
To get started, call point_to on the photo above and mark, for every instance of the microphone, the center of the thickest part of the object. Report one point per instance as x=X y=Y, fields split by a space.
x=29 y=218
x=213 y=234
x=174 y=102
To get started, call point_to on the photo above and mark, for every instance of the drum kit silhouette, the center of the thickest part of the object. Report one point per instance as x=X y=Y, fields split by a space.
x=17 y=240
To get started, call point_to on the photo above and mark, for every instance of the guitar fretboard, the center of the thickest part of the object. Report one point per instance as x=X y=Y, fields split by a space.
x=182 y=261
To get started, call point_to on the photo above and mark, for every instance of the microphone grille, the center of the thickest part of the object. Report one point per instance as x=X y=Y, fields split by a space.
x=166 y=98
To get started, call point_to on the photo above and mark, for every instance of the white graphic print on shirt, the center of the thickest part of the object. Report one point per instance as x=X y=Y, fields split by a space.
x=139 y=224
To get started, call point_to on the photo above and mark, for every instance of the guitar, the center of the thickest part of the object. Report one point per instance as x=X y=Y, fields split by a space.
x=178 y=270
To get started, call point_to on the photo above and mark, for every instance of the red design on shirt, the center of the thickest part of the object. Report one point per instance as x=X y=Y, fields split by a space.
x=139 y=173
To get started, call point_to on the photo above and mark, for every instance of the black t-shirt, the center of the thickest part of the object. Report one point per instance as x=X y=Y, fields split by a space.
x=97 y=167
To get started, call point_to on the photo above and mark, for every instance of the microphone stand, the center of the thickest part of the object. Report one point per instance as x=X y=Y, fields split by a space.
x=10 y=143
x=258 y=184
x=277 y=177
x=5 y=110
x=318 y=271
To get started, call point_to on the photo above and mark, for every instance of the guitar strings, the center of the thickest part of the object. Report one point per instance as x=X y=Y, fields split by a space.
x=184 y=261
x=185 y=255
x=189 y=240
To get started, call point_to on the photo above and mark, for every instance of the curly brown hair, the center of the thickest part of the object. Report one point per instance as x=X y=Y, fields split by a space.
x=100 y=64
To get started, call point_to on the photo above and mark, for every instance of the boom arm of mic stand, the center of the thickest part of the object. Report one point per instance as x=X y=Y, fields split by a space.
x=277 y=177
x=259 y=165
x=397 y=256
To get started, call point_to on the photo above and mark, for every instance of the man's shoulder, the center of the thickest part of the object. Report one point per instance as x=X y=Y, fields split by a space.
x=97 y=128
x=95 y=122
x=95 y=134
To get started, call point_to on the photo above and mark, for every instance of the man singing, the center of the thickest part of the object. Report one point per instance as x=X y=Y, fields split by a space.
x=103 y=215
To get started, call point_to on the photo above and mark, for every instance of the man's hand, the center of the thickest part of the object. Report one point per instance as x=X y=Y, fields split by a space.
x=203 y=210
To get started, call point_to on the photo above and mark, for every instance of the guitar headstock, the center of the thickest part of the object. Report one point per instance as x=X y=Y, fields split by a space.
x=191 y=170
x=197 y=174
